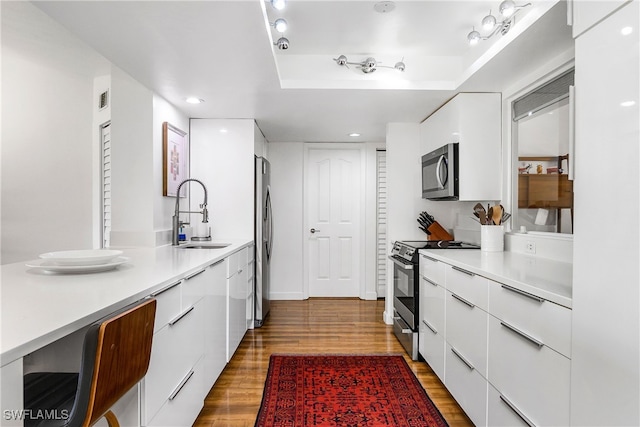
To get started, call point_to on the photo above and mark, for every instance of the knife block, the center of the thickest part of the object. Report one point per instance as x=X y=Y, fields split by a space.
x=438 y=233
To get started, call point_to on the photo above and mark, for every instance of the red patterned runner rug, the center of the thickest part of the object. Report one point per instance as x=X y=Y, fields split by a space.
x=344 y=390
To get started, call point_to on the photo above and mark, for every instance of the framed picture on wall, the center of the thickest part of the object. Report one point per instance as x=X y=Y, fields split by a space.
x=175 y=159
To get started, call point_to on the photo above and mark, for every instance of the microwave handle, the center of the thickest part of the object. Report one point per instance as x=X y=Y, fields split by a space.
x=438 y=166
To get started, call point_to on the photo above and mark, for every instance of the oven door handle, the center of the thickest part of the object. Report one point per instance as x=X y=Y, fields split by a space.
x=403 y=325
x=401 y=265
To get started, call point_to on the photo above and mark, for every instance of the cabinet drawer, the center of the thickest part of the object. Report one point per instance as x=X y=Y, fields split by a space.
x=431 y=346
x=502 y=412
x=467 y=386
x=467 y=331
x=467 y=285
x=535 y=378
x=432 y=269
x=432 y=305
x=194 y=287
x=168 y=304
x=184 y=403
x=547 y=322
x=175 y=350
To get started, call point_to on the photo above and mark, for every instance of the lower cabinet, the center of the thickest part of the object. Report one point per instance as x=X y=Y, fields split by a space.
x=177 y=347
x=532 y=376
x=185 y=402
x=200 y=321
x=431 y=332
x=506 y=357
x=466 y=385
x=237 y=265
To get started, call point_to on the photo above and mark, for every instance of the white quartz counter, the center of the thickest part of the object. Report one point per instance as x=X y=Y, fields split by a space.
x=548 y=279
x=38 y=308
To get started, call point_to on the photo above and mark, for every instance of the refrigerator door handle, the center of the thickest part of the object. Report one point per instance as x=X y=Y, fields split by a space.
x=269 y=227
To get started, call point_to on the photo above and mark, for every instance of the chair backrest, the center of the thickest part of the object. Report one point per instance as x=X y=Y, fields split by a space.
x=116 y=355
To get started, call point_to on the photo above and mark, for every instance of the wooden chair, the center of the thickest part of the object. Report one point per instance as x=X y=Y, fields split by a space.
x=115 y=357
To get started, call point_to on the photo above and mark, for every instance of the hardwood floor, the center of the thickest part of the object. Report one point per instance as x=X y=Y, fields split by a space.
x=317 y=325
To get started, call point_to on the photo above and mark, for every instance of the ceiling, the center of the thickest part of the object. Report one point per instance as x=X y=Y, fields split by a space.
x=223 y=52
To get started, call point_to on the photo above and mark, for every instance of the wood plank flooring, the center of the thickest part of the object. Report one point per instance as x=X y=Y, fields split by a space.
x=317 y=325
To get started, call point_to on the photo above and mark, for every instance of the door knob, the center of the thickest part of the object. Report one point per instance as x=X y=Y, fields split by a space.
x=313 y=230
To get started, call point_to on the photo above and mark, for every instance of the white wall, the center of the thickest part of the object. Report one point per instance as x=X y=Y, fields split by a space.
x=222 y=157
x=51 y=147
x=287 y=263
x=47 y=135
x=287 y=184
x=163 y=206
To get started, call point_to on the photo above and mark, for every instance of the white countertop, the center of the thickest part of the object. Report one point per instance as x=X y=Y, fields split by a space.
x=38 y=308
x=548 y=279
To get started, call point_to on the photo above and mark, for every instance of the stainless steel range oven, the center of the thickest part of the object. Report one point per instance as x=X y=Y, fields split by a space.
x=406 y=279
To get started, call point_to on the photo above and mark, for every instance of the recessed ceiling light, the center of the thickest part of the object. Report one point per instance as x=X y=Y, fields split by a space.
x=223 y=130
x=626 y=31
x=194 y=100
x=384 y=6
x=354 y=134
x=628 y=103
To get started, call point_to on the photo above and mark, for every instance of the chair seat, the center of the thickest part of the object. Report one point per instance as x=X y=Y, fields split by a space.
x=49 y=398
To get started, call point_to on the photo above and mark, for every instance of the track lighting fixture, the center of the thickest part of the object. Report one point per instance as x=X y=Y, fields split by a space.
x=369 y=65
x=508 y=10
x=278 y=4
x=282 y=43
x=280 y=25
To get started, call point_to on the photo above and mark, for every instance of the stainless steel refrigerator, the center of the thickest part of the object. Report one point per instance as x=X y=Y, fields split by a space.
x=263 y=239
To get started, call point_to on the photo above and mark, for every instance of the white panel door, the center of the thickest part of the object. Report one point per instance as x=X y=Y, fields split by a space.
x=333 y=198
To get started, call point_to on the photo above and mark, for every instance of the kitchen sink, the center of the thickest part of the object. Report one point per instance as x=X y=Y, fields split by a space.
x=204 y=245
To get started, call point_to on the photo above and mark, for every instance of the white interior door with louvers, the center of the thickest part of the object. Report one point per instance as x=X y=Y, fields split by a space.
x=334 y=200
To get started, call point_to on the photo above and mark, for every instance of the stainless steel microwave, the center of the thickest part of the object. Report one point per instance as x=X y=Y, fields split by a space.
x=440 y=173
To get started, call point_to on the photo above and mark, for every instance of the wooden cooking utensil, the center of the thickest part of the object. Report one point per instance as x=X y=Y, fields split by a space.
x=496 y=214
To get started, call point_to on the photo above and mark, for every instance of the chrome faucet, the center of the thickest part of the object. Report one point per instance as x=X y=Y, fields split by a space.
x=175 y=239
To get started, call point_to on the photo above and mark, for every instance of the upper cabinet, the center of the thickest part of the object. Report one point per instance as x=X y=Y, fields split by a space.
x=588 y=13
x=472 y=120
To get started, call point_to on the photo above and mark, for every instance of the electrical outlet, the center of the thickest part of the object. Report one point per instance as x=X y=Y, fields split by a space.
x=530 y=248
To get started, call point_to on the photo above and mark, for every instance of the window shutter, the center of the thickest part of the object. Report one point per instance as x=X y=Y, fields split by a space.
x=106 y=186
x=381 y=275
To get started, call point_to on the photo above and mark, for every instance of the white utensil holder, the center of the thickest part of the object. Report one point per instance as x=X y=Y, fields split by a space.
x=492 y=238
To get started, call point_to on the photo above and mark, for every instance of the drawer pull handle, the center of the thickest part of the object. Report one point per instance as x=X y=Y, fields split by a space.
x=522 y=334
x=217 y=262
x=181 y=385
x=465 y=361
x=429 y=281
x=430 y=327
x=163 y=290
x=181 y=316
x=461 y=270
x=194 y=274
x=462 y=300
x=517 y=411
x=429 y=258
x=523 y=293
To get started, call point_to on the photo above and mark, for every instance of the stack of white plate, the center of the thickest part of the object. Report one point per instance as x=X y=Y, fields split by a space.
x=79 y=261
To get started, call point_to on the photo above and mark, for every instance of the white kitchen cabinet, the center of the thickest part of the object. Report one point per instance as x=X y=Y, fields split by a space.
x=177 y=347
x=605 y=329
x=466 y=337
x=250 y=287
x=236 y=299
x=587 y=13
x=185 y=402
x=549 y=322
x=529 y=373
x=215 y=325
x=431 y=344
x=466 y=385
x=474 y=121
x=502 y=412
x=10 y=400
